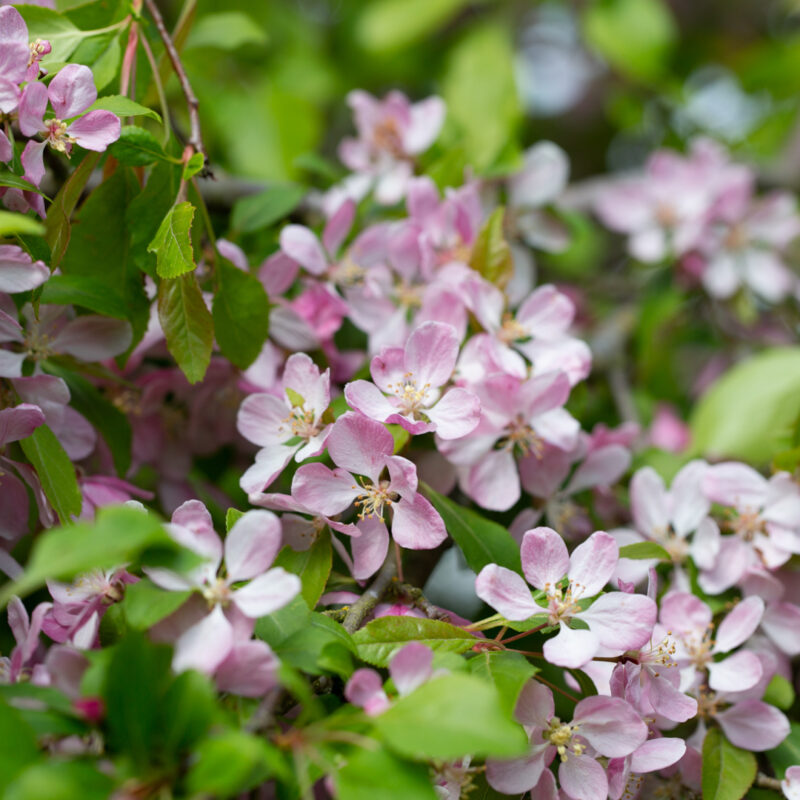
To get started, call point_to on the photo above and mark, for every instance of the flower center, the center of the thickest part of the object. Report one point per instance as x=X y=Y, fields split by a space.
x=347 y=273
x=736 y=238
x=58 y=137
x=511 y=330
x=524 y=438
x=38 y=48
x=217 y=593
x=37 y=344
x=707 y=704
x=386 y=136
x=562 y=603
x=677 y=547
x=660 y=655
x=748 y=525
x=699 y=648
x=302 y=423
x=373 y=498
x=562 y=736
x=411 y=398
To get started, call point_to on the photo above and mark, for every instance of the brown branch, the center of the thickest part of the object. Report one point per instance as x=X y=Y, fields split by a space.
x=766 y=782
x=195 y=137
x=418 y=600
x=358 y=612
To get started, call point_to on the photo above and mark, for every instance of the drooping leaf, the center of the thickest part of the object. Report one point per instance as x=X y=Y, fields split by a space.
x=481 y=540
x=172 y=243
x=728 y=771
x=124 y=107
x=491 y=255
x=11 y=223
x=241 y=314
x=55 y=471
x=187 y=324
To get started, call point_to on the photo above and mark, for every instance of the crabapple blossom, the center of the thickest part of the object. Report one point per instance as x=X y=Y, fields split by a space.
x=25 y=660
x=413 y=378
x=790 y=785
x=616 y=621
x=18 y=271
x=289 y=425
x=601 y=726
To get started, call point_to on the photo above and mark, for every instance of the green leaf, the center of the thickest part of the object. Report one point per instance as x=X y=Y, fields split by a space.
x=779 y=692
x=258 y=211
x=55 y=471
x=187 y=712
x=388 y=25
x=491 y=255
x=124 y=107
x=281 y=624
x=145 y=604
x=106 y=67
x=635 y=36
x=787 y=753
x=241 y=314
x=377 y=773
x=508 y=671
x=312 y=565
x=226 y=30
x=57 y=224
x=20 y=747
x=84 y=291
x=110 y=422
x=61 y=780
x=172 y=243
x=451 y=716
x=481 y=94
x=8 y=178
x=728 y=771
x=193 y=166
x=137 y=678
x=379 y=639
x=642 y=550
x=304 y=646
x=187 y=324
x=230 y=763
x=11 y=223
x=44 y=23
x=118 y=535
x=481 y=540
x=137 y=147
x=232 y=515
x=750 y=412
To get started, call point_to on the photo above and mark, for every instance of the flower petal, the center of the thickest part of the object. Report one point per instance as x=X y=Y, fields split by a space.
x=506 y=592
x=252 y=544
x=545 y=559
x=267 y=593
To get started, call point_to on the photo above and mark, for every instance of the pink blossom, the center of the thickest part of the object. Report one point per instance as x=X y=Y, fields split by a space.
x=288 y=426
x=600 y=726
x=790 y=785
x=25 y=660
x=18 y=271
x=364 y=447
x=616 y=621
x=413 y=378
x=653 y=755
x=250 y=548
x=15 y=54
x=668 y=431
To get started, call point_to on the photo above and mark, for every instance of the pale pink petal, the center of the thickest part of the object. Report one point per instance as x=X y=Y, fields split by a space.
x=557 y=427
x=431 y=353
x=494 y=481
x=602 y=467
x=18 y=272
x=543 y=393
x=360 y=445
x=269 y=463
x=705 y=543
x=732 y=560
x=72 y=91
x=252 y=544
x=790 y=784
x=402 y=476
x=506 y=592
x=518 y=775
x=545 y=559
x=610 y=725
x=571 y=648
x=299 y=243
x=737 y=673
x=302 y=375
x=194 y=518
x=582 y=778
x=535 y=707
x=457 y=414
x=94 y=338
x=753 y=725
x=546 y=313
x=262 y=420
x=33 y=161
x=621 y=621
x=657 y=754
x=416 y=524
x=96 y=130
x=338 y=226
x=326 y=491
x=734 y=484
x=19 y=422
x=542 y=178
x=739 y=625
x=278 y=273
x=370 y=548
x=684 y=613
x=427 y=118
x=205 y=645
x=32 y=106
x=781 y=622
x=592 y=563
x=266 y=593
x=6 y=148
x=411 y=666
x=649 y=503
x=365 y=689
x=368 y=399
x=249 y=670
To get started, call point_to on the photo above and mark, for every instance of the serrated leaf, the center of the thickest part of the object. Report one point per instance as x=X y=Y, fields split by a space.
x=728 y=771
x=137 y=147
x=187 y=324
x=491 y=255
x=172 y=243
x=258 y=211
x=193 y=166
x=481 y=540
x=379 y=639
x=644 y=550
x=124 y=107
x=449 y=717
x=55 y=471
x=241 y=314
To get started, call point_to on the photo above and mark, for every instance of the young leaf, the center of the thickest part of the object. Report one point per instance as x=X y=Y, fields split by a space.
x=44 y=23
x=644 y=550
x=193 y=166
x=172 y=243
x=137 y=147
x=124 y=107
x=241 y=314
x=508 y=671
x=728 y=771
x=55 y=471
x=11 y=223
x=491 y=255
x=187 y=325
x=449 y=717
x=378 y=640
x=481 y=540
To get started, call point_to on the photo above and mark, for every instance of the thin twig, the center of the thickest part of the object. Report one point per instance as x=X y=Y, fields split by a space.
x=418 y=600
x=371 y=597
x=766 y=782
x=195 y=137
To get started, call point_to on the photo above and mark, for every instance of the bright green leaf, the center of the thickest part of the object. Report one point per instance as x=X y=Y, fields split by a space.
x=124 y=107
x=313 y=566
x=19 y=744
x=145 y=604
x=11 y=223
x=491 y=255
x=643 y=550
x=9 y=179
x=779 y=692
x=376 y=773
x=258 y=211
x=226 y=30
x=44 y=23
x=84 y=291
x=61 y=780
x=137 y=147
x=172 y=243
x=787 y=753
x=728 y=771
x=193 y=166
x=508 y=671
